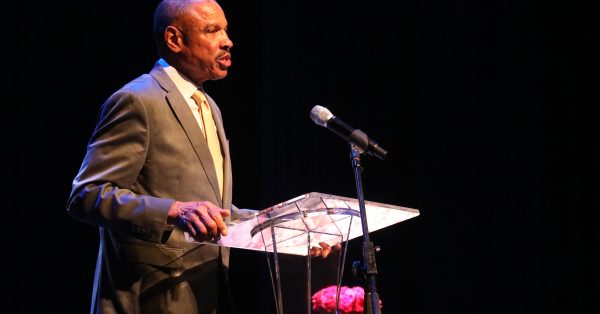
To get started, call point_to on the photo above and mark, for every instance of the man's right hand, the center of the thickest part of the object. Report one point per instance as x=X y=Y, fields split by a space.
x=202 y=220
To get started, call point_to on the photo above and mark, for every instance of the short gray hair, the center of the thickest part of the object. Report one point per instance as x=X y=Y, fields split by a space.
x=165 y=14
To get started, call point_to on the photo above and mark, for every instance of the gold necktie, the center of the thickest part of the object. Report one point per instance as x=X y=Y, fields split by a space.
x=210 y=134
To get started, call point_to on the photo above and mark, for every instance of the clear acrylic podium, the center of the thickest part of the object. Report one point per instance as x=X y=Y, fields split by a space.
x=296 y=225
x=304 y=221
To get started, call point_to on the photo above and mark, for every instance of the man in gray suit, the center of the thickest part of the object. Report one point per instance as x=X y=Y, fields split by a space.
x=149 y=180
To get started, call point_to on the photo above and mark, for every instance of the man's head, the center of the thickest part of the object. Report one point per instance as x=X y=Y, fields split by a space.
x=191 y=35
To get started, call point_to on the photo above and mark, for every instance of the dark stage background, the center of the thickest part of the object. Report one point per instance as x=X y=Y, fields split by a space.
x=476 y=102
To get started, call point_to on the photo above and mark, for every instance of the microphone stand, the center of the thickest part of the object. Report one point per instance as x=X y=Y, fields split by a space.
x=368 y=265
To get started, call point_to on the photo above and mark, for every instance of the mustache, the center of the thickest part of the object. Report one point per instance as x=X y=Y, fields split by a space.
x=224 y=53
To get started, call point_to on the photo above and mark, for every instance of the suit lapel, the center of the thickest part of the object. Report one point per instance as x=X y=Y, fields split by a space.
x=190 y=126
x=225 y=147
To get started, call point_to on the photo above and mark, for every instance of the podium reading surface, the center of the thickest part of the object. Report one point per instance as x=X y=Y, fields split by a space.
x=309 y=219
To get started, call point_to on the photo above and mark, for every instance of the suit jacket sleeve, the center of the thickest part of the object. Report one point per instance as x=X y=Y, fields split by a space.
x=102 y=191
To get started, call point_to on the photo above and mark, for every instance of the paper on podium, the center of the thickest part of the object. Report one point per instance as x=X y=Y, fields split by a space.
x=313 y=217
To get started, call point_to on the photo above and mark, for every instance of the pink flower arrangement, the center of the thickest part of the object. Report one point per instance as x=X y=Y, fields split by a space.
x=351 y=300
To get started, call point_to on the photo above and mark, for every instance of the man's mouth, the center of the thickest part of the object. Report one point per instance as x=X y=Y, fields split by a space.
x=224 y=61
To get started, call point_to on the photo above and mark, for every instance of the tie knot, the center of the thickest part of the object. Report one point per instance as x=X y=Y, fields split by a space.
x=200 y=98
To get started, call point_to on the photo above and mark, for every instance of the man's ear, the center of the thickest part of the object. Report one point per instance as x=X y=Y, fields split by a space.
x=173 y=38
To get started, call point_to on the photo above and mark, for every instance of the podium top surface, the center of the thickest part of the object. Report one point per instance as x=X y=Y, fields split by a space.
x=295 y=225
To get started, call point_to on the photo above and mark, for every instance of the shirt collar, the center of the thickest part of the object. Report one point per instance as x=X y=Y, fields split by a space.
x=185 y=86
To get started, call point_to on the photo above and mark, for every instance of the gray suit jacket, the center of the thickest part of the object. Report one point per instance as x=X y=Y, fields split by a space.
x=147 y=151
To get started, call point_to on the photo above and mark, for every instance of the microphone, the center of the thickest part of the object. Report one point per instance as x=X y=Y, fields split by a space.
x=323 y=117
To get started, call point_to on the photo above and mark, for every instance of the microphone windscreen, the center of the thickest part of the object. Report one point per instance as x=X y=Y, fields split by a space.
x=320 y=115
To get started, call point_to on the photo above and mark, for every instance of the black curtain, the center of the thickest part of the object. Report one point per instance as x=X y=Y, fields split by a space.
x=477 y=103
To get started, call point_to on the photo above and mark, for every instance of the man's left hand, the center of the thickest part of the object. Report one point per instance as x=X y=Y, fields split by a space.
x=324 y=250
